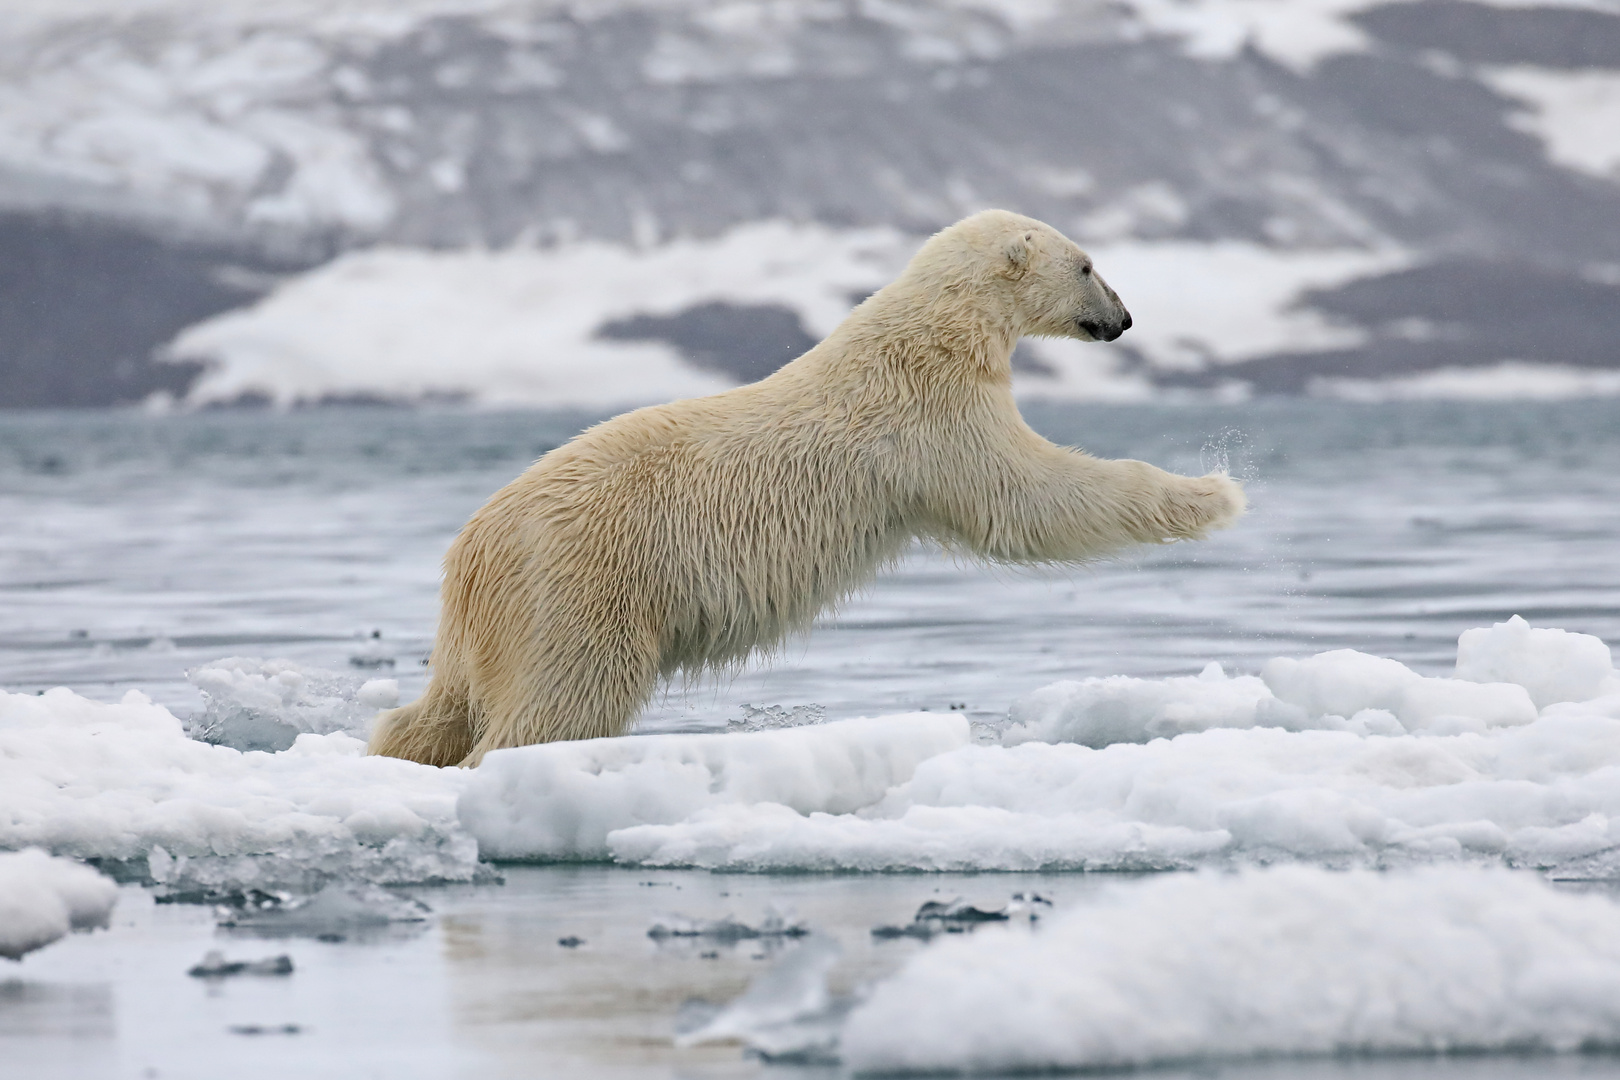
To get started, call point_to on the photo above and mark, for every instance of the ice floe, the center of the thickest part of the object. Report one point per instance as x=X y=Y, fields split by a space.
x=564 y=801
x=1282 y=961
x=43 y=898
x=121 y=783
x=1341 y=758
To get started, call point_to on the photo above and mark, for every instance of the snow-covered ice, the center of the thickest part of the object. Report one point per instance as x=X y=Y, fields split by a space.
x=122 y=783
x=1341 y=758
x=566 y=800
x=1553 y=666
x=43 y=898
x=1283 y=961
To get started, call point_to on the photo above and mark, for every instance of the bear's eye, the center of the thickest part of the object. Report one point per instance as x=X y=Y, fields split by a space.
x=1085 y=271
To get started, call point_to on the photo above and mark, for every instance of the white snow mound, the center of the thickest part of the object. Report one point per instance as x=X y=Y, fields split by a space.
x=123 y=782
x=1286 y=961
x=563 y=800
x=44 y=898
x=1340 y=758
x=1553 y=665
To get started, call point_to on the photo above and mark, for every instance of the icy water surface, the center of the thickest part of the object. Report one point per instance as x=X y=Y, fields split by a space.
x=136 y=547
x=133 y=548
x=485 y=990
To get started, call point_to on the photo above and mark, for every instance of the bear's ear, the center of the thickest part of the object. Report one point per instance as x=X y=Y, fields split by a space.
x=1017 y=252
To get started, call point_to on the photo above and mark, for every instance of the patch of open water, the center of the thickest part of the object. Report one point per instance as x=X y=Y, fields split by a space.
x=484 y=989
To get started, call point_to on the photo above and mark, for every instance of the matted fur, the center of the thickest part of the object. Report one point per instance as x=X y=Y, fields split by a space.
x=687 y=535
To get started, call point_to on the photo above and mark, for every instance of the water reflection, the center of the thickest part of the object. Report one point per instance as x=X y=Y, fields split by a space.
x=55 y=1011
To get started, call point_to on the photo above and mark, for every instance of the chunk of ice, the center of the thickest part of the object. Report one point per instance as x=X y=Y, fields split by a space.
x=958 y=917
x=336 y=911
x=727 y=929
x=1553 y=665
x=44 y=898
x=252 y=704
x=1286 y=961
x=786 y=1014
x=121 y=783
x=562 y=800
x=215 y=966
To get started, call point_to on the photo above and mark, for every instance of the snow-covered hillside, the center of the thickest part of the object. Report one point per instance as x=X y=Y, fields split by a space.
x=1457 y=164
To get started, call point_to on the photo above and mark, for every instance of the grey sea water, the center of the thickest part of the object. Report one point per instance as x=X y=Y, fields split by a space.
x=134 y=547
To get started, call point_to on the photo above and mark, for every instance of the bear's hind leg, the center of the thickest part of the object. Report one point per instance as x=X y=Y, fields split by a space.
x=579 y=685
x=436 y=729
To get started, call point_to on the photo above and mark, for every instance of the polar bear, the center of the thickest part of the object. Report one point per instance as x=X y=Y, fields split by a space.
x=688 y=535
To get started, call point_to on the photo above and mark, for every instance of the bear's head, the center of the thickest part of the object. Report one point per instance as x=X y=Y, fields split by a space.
x=1038 y=280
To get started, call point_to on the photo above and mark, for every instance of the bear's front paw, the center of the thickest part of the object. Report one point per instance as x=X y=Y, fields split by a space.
x=1203 y=503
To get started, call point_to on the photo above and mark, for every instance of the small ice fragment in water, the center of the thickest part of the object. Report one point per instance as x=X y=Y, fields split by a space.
x=215 y=966
x=331 y=913
x=373 y=654
x=726 y=929
x=1026 y=904
x=570 y=942
x=787 y=1013
x=957 y=911
x=252 y=704
x=773 y=717
x=958 y=917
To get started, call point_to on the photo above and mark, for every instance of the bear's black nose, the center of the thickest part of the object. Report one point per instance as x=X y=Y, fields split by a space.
x=1126 y=325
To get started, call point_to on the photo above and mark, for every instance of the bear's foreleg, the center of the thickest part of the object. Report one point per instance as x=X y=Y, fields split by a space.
x=1058 y=505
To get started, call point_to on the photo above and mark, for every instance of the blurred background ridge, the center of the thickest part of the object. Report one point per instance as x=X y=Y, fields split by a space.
x=596 y=204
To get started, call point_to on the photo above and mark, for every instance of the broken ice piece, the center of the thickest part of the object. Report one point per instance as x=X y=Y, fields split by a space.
x=787 y=1013
x=957 y=911
x=215 y=966
x=956 y=917
x=1027 y=905
x=330 y=913
x=726 y=929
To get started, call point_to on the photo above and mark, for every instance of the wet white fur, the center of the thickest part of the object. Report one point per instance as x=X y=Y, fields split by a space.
x=688 y=535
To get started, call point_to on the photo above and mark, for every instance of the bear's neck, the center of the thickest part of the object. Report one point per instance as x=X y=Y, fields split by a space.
x=950 y=332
